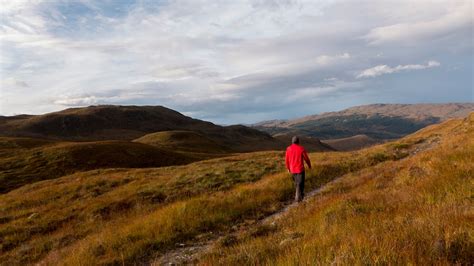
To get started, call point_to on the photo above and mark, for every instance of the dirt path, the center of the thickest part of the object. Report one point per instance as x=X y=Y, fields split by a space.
x=189 y=253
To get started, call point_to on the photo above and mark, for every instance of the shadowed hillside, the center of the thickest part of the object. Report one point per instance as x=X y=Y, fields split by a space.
x=352 y=143
x=311 y=144
x=101 y=123
x=38 y=160
x=186 y=141
x=109 y=122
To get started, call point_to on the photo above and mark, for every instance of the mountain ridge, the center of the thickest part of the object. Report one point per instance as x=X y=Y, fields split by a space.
x=455 y=110
x=380 y=121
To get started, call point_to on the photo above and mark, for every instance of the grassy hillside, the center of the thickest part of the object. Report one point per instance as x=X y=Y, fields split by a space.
x=24 y=160
x=402 y=190
x=12 y=146
x=100 y=123
x=413 y=211
x=110 y=122
x=310 y=144
x=44 y=217
x=352 y=143
x=179 y=140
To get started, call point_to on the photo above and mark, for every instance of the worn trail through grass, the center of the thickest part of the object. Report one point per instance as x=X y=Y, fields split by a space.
x=189 y=253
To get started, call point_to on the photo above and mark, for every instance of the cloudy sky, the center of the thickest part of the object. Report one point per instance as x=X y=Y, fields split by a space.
x=234 y=61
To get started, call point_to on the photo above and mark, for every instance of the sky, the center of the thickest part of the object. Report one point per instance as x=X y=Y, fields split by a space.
x=234 y=61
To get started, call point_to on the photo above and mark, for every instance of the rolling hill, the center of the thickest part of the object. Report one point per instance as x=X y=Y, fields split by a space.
x=107 y=122
x=310 y=144
x=379 y=121
x=38 y=160
x=402 y=202
x=181 y=140
x=352 y=143
x=36 y=148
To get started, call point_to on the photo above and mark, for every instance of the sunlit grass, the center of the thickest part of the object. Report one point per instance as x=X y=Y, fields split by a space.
x=414 y=211
x=383 y=210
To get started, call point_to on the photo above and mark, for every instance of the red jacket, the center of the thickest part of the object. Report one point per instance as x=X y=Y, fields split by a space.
x=295 y=154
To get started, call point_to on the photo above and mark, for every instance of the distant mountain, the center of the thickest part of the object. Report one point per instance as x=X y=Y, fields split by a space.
x=109 y=122
x=379 y=121
x=101 y=123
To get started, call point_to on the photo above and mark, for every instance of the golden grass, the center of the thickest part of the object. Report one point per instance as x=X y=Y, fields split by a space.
x=182 y=140
x=414 y=211
x=46 y=216
x=131 y=216
x=26 y=160
x=138 y=239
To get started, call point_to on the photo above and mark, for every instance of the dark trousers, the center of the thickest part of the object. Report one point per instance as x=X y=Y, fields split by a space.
x=299 y=184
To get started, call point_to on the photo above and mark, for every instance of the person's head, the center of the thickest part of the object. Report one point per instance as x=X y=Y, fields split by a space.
x=295 y=140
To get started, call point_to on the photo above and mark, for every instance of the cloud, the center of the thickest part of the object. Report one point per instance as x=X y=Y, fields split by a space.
x=384 y=69
x=77 y=101
x=223 y=61
x=455 y=18
x=12 y=83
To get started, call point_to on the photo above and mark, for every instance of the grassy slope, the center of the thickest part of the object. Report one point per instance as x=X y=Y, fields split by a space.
x=210 y=203
x=352 y=143
x=46 y=216
x=102 y=122
x=109 y=122
x=180 y=140
x=310 y=144
x=417 y=210
x=126 y=216
x=24 y=160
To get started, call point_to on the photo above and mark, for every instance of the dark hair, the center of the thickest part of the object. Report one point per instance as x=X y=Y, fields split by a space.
x=295 y=140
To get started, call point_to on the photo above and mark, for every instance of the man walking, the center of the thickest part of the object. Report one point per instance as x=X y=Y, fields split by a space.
x=295 y=155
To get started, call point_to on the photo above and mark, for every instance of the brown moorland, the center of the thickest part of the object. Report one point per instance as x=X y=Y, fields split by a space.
x=112 y=122
x=352 y=143
x=27 y=160
x=413 y=211
x=132 y=216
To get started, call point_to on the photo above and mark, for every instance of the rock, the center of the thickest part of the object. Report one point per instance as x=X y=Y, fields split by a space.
x=33 y=215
